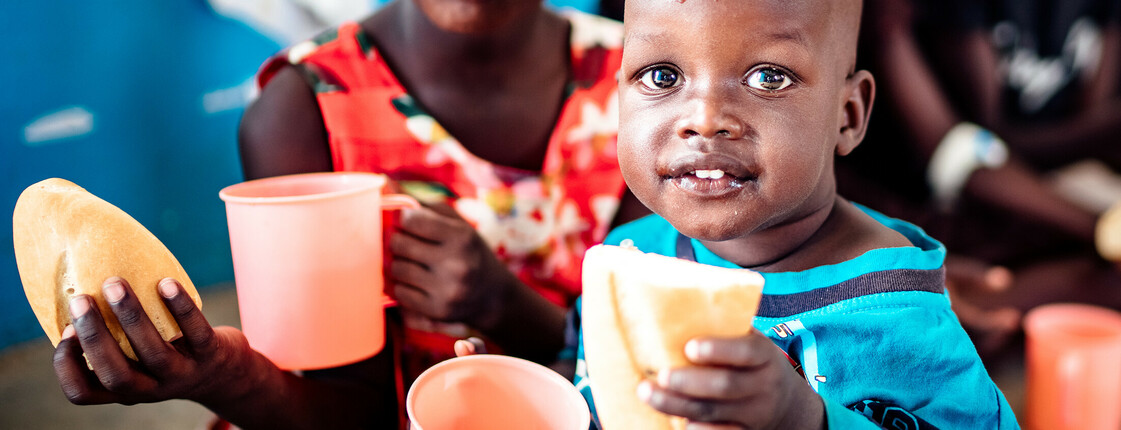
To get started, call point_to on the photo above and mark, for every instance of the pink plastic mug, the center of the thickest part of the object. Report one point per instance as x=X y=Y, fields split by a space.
x=489 y=391
x=1073 y=367
x=307 y=254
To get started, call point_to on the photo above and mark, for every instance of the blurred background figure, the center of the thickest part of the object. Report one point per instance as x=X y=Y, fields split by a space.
x=995 y=129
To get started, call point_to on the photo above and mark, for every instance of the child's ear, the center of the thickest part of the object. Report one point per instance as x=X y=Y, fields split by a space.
x=861 y=90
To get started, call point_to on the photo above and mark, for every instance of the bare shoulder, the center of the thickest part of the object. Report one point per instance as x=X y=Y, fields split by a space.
x=861 y=233
x=282 y=131
x=848 y=233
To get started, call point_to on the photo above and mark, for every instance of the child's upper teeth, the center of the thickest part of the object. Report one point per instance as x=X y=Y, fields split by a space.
x=709 y=174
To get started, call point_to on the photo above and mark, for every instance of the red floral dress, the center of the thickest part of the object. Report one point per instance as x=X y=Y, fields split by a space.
x=538 y=223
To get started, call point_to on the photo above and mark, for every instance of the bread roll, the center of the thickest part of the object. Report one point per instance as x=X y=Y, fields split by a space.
x=68 y=242
x=638 y=312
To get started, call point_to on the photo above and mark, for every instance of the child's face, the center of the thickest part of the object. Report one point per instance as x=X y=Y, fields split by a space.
x=731 y=111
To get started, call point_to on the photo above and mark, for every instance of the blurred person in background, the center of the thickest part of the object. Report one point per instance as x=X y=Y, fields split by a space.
x=996 y=132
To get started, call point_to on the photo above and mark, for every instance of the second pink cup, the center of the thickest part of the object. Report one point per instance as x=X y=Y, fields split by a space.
x=1073 y=367
x=487 y=391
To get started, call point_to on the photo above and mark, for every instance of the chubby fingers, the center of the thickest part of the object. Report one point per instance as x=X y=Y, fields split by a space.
x=727 y=384
x=751 y=350
x=469 y=346
x=113 y=370
x=197 y=332
x=142 y=334
x=698 y=410
x=712 y=383
x=78 y=382
x=427 y=223
x=410 y=259
x=406 y=246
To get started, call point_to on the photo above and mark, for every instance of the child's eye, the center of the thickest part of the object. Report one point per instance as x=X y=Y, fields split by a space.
x=659 y=78
x=768 y=79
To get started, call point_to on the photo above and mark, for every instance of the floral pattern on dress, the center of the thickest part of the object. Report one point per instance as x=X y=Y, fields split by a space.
x=538 y=223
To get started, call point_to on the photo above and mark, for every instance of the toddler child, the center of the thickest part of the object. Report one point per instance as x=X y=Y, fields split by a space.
x=730 y=115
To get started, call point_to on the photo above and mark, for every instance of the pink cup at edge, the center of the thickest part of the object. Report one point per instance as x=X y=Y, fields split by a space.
x=489 y=391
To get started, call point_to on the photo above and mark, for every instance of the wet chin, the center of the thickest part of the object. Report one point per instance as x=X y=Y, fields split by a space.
x=703 y=222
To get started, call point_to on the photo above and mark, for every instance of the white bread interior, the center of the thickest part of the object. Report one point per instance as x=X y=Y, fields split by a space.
x=68 y=242
x=638 y=312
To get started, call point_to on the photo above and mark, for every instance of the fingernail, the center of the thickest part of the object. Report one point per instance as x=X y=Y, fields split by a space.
x=663 y=377
x=114 y=291
x=463 y=348
x=692 y=350
x=644 y=391
x=68 y=332
x=79 y=305
x=169 y=288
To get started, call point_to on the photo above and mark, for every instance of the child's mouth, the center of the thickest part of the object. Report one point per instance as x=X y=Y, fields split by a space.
x=709 y=181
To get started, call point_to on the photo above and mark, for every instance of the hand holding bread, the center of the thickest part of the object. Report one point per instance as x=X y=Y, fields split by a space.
x=205 y=364
x=68 y=241
x=669 y=341
x=110 y=295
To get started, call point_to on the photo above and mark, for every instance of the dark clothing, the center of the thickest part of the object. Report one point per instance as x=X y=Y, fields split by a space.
x=1045 y=46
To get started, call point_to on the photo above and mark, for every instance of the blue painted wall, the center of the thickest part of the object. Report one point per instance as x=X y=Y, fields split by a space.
x=137 y=101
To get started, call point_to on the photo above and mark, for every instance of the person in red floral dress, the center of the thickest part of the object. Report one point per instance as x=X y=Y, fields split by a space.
x=501 y=117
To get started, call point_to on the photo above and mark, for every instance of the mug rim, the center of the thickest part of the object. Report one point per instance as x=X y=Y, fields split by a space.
x=1041 y=318
x=230 y=194
x=504 y=360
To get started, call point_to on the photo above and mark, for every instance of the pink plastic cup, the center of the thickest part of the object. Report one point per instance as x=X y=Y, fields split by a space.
x=1073 y=367
x=307 y=254
x=489 y=391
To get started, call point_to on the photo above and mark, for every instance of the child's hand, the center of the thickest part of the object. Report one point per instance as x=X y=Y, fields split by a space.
x=469 y=346
x=444 y=270
x=191 y=367
x=744 y=382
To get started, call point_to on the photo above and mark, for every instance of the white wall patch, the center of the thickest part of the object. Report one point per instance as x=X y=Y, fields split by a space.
x=68 y=122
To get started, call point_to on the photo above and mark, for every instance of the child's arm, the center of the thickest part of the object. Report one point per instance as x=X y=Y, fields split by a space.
x=282 y=132
x=214 y=367
x=927 y=113
x=745 y=381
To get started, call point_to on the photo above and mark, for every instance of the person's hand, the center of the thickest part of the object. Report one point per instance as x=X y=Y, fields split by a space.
x=744 y=382
x=442 y=268
x=469 y=346
x=202 y=362
x=969 y=281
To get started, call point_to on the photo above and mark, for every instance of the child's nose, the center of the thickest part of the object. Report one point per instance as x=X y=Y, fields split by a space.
x=710 y=116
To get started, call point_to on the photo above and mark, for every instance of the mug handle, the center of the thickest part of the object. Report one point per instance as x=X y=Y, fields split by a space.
x=395 y=202
x=398 y=201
